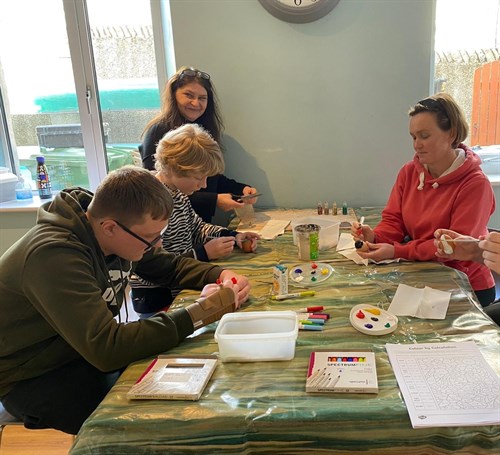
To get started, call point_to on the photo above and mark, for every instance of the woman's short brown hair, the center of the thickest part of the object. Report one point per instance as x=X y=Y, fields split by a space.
x=449 y=116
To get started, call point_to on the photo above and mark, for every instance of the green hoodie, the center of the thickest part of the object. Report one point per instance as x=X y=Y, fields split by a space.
x=59 y=295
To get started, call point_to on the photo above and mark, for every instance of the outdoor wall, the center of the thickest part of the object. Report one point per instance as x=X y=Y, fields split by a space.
x=313 y=111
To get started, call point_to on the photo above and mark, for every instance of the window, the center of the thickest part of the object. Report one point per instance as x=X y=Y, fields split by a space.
x=468 y=67
x=91 y=79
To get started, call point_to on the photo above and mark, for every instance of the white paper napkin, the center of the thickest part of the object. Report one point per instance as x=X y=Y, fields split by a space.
x=272 y=229
x=426 y=303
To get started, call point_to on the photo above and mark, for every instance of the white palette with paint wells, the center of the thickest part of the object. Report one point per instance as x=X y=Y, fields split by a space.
x=372 y=320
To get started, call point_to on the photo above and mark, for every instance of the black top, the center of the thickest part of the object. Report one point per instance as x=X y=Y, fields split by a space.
x=204 y=201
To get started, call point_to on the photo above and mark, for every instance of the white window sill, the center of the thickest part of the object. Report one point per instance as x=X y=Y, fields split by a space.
x=30 y=205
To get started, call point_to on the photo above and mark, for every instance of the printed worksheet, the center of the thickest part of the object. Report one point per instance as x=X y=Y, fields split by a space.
x=446 y=384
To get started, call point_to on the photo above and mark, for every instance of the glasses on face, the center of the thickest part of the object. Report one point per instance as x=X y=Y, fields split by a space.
x=150 y=245
x=195 y=73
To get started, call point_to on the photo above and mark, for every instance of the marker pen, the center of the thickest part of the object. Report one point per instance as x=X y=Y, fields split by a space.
x=310 y=327
x=312 y=321
x=323 y=316
x=293 y=296
x=310 y=309
x=334 y=381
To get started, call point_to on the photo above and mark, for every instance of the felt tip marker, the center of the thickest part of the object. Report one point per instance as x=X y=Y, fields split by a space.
x=293 y=296
x=324 y=316
x=310 y=309
x=310 y=327
x=312 y=321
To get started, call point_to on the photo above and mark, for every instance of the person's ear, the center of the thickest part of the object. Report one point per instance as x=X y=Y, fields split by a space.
x=108 y=228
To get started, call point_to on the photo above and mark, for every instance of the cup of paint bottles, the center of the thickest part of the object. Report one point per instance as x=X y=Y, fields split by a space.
x=308 y=241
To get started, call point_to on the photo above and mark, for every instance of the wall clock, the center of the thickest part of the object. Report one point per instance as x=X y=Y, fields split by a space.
x=299 y=11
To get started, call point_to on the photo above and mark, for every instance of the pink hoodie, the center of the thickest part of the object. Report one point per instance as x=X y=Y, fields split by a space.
x=462 y=200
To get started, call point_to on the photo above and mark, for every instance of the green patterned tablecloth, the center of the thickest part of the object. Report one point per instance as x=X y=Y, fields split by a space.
x=262 y=407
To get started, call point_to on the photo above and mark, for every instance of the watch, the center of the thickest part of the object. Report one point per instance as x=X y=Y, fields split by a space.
x=299 y=11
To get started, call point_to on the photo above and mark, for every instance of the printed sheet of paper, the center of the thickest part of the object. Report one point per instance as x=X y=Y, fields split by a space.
x=446 y=384
x=426 y=303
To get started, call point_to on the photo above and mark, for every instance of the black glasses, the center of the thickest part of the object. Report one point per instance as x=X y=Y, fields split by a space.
x=150 y=245
x=195 y=73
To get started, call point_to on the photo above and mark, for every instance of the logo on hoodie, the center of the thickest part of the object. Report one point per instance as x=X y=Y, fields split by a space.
x=118 y=280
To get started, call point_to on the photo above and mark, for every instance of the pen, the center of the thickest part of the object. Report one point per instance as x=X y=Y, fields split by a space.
x=310 y=327
x=333 y=382
x=310 y=309
x=361 y=220
x=463 y=240
x=312 y=321
x=323 y=317
x=293 y=296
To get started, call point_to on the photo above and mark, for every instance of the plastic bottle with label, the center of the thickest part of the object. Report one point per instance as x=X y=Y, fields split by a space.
x=43 y=179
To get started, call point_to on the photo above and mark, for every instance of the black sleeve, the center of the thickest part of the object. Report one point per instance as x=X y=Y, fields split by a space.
x=204 y=204
x=148 y=147
x=227 y=185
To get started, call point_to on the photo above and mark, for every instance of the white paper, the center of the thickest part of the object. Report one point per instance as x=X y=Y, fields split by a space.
x=346 y=248
x=426 y=303
x=272 y=229
x=446 y=384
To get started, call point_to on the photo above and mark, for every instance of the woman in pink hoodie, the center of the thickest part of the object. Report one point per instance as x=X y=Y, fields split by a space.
x=442 y=187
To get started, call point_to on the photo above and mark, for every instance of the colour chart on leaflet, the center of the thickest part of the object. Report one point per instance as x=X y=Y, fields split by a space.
x=446 y=384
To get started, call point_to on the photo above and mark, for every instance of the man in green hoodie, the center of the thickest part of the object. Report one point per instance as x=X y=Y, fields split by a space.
x=63 y=283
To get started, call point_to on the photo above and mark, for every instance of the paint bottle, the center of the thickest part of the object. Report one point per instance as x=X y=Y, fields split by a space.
x=43 y=179
x=326 y=210
x=344 y=208
x=320 y=208
x=334 y=208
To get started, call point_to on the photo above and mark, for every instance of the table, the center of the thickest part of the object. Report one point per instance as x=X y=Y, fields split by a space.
x=262 y=407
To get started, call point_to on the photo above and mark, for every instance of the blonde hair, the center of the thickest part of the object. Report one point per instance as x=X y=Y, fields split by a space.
x=129 y=194
x=189 y=150
x=449 y=116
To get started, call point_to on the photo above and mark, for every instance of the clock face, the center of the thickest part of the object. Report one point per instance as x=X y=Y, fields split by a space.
x=298 y=11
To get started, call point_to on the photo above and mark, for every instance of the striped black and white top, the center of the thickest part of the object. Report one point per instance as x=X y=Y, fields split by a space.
x=186 y=234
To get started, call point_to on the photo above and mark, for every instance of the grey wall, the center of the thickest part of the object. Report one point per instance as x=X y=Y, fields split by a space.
x=313 y=111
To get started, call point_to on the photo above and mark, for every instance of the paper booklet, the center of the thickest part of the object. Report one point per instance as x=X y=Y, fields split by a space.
x=345 y=371
x=170 y=377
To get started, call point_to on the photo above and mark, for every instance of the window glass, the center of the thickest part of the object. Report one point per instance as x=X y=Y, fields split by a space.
x=36 y=66
x=467 y=66
x=122 y=40
x=39 y=88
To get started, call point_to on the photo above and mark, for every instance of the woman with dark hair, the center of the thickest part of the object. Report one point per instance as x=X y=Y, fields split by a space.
x=189 y=97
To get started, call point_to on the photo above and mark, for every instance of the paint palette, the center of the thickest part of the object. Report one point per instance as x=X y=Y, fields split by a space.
x=372 y=320
x=310 y=273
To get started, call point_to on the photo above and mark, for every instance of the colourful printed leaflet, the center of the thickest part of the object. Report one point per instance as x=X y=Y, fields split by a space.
x=346 y=371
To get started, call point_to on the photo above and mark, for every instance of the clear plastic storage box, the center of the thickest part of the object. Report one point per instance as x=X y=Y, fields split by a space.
x=257 y=336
